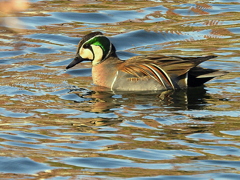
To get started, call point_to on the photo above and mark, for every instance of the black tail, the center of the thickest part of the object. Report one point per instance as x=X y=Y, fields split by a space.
x=197 y=76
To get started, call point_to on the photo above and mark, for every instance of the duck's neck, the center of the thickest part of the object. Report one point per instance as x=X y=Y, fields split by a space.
x=104 y=73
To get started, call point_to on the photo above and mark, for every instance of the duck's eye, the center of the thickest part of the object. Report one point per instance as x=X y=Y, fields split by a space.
x=86 y=46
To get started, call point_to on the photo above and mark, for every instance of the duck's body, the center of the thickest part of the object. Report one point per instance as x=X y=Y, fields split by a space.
x=139 y=73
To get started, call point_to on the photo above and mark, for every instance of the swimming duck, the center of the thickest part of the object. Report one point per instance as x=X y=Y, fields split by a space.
x=139 y=73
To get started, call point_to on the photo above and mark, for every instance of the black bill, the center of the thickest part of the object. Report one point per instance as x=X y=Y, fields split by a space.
x=75 y=61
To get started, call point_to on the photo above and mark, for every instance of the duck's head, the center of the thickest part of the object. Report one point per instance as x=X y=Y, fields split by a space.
x=93 y=47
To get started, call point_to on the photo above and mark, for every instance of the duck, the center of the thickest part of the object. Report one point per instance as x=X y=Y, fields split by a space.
x=140 y=73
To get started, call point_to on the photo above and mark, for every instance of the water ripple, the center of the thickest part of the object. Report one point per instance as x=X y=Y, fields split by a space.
x=55 y=124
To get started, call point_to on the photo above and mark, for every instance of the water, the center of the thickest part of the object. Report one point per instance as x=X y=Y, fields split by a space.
x=57 y=125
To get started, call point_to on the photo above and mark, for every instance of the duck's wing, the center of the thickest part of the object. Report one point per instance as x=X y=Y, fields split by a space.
x=163 y=69
x=145 y=68
x=178 y=65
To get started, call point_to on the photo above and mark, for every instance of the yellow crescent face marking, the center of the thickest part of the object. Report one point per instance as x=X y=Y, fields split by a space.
x=86 y=53
x=98 y=54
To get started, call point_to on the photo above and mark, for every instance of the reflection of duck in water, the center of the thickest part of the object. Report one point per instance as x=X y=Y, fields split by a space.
x=107 y=109
x=139 y=73
x=100 y=101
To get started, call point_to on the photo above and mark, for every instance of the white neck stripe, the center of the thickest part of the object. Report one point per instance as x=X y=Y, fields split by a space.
x=114 y=80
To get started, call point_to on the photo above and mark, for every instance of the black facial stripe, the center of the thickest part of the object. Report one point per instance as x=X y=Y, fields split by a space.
x=91 y=49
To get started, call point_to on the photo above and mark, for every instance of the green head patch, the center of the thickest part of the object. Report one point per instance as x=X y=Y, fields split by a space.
x=100 y=41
